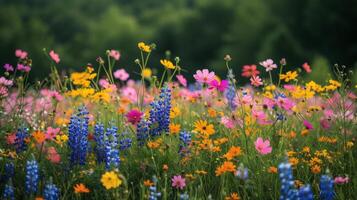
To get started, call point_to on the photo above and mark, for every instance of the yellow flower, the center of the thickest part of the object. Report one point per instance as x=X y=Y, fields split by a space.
x=289 y=76
x=270 y=88
x=204 y=128
x=110 y=180
x=175 y=111
x=146 y=73
x=144 y=47
x=83 y=78
x=174 y=128
x=154 y=144
x=167 y=64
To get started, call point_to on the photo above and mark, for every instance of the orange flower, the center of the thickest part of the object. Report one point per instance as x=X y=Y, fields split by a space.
x=233 y=196
x=233 y=152
x=174 y=128
x=39 y=136
x=39 y=198
x=226 y=167
x=165 y=167
x=80 y=188
x=148 y=183
x=316 y=169
x=273 y=170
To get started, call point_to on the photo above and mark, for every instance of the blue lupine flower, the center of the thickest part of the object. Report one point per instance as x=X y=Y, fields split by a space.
x=32 y=176
x=184 y=196
x=51 y=192
x=142 y=131
x=230 y=95
x=21 y=135
x=78 y=136
x=185 y=141
x=112 y=158
x=287 y=182
x=9 y=193
x=326 y=188
x=99 y=142
x=125 y=143
x=280 y=117
x=154 y=194
x=159 y=119
x=305 y=193
x=9 y=172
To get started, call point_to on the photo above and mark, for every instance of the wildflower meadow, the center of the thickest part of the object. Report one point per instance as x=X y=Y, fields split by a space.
x=259 y=132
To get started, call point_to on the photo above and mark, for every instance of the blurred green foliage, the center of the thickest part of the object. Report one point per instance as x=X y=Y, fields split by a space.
x=322 y=32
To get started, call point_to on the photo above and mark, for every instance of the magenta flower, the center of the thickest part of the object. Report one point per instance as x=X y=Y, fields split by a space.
x=182 y=80
x=220 y=86
x=204 y=76
x=178 y=182
x=134 y=116
x=121 y=74
x=8 y=67
x=263 y=147
x=23 y=68
x=114 y=54
x=20 y=54
x=54 y=56
x=341 y=180
x=268 y=65
x=308 y=125
x=325 y=124
x=51 y=133
x=256 y=81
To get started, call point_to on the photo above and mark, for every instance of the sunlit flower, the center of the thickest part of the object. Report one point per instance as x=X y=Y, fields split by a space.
x=225 y=167
x=146 y=73
x=268 y=65
x=143 y=47
x=306 y=67
x=167 y=64
x=204 y=76
x=110 y=180
x=182 y=80
x=263 y=147
x=134 y=116
x=203 y=127
x=290 y=75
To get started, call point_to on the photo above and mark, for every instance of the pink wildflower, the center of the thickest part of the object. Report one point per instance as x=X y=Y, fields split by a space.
x=24 y=68
x=54 y=56
x=341 y=180
x=182 y=80
x=114 y=54
x=178 y=182
x=263 y=147
x=268 y=65
x=53 y=156
x=204 y=76
x=130 y=93
x=220 y=86
x=8 y=67
x=249 y=71
x=256 y=81
x=121 y=74
x=51 y=133
x=20 y=54
x=306 y=67
x=308 y=125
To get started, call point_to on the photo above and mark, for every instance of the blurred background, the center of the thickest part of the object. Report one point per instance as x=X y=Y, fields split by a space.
x=200 y=32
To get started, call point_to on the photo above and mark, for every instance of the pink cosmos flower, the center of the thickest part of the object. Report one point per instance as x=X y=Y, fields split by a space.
x=308 y=125
x=114 y=54
x=249 y=71
x=53 y=156
x=204 y=76
x=178 y=182
x=51 y=133
x=220 y=86
x=8 y=67
x=256 y=81
x=134 y=116
x=54 y=56
x=130 y=93
x=306 y=67
x=5 y=82
x=23 y=68
x=52 y=94
x=325 y=124
x=121 y=74
x=268 y=65
x=3 y=91
x=270 y=103
x=263 y=147
x=285 y=103
x=182 y=80
x=20 y=54
x=291 y=88
x=341 y=180
x=11 y=138
x=103 y=83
